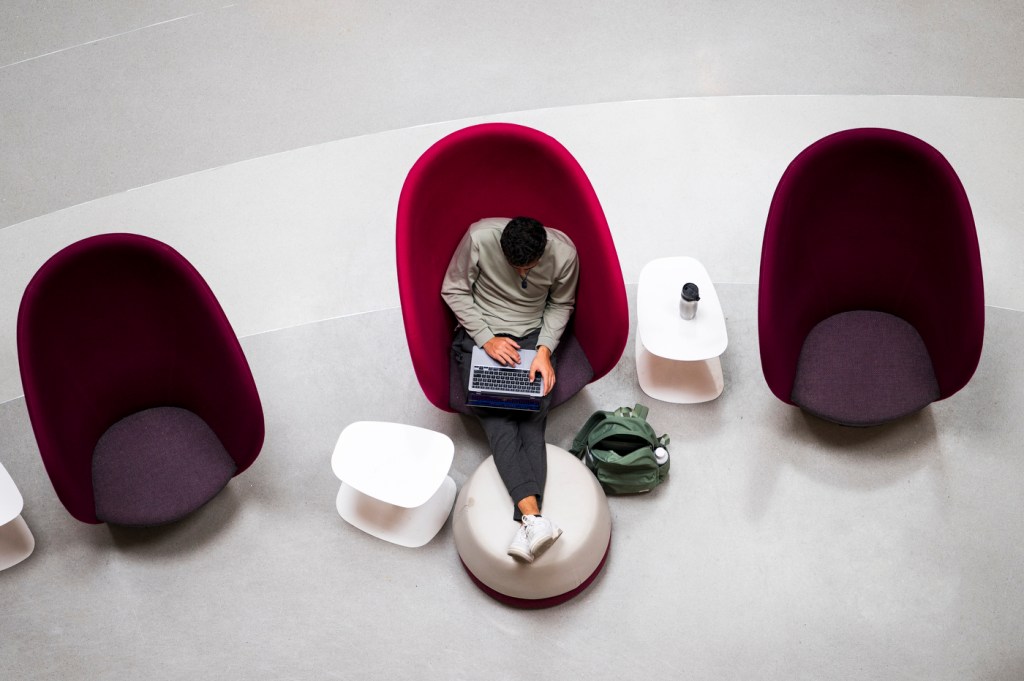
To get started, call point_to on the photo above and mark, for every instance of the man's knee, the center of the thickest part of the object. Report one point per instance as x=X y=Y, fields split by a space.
x=501 y=432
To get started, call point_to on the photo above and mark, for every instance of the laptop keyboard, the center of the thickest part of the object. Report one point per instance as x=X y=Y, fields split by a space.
x=504 y=379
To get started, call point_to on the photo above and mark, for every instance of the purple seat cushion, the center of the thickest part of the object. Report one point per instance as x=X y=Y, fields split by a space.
x=156 y=466
x=572 y=373
x=863 y=368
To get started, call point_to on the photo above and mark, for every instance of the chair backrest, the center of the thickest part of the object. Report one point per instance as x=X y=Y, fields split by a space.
x=493 y=170
x=871 y=219
x=117 y=323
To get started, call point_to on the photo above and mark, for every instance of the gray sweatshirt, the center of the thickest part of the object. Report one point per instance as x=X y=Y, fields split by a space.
x=486 y=294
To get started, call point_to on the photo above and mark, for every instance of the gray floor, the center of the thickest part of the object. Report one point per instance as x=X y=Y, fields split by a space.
x=781 y=547
x=98 y=97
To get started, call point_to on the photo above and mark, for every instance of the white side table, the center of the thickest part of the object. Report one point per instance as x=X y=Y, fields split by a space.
x=677 y=360
x=394 y=480
x=16 y=540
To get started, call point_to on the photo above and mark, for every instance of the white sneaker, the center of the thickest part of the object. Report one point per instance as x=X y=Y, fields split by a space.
x=520 y=546
x=540 y=533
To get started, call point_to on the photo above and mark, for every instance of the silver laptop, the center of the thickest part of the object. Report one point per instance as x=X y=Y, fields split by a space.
x=492 y=384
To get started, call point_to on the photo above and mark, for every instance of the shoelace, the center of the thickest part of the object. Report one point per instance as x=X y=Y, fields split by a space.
x=530 y=529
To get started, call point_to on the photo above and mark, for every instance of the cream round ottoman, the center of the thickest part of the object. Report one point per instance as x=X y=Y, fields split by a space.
x=483 y=528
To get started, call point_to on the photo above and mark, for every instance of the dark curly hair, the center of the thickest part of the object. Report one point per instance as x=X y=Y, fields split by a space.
x=523 y=241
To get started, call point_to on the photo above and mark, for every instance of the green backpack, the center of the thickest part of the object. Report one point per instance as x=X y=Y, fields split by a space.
x=619 y=448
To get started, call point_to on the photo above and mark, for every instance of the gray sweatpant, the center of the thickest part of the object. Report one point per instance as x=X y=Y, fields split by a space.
x=516 y=437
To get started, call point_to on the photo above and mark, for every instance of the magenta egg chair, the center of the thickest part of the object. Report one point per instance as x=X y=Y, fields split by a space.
x=504 y=170
x=871 y=300
x=141 y=400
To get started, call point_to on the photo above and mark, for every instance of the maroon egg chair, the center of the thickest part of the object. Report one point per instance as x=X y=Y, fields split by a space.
x=504 y=170
x=141 y=400
x=871 y=301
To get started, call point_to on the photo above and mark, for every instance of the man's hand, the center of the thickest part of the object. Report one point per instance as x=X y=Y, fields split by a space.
x=542 y=365
x=503 y=350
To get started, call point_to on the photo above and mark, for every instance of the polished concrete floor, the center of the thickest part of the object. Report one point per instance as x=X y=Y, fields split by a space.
x=781 y=547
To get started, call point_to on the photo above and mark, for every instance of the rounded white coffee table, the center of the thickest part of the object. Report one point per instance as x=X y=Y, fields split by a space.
x=16 y=540
x=677 y=360
x=394 y=480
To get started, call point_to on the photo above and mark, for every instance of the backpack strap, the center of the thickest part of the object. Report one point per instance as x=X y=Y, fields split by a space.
x=640 y=411
x=579 y=443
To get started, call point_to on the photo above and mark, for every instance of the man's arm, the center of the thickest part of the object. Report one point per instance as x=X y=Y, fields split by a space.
x=457 y=290
x=560 y=303
x=557 y=310
x=542 y=365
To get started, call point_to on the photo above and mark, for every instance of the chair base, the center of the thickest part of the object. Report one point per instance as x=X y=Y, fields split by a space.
x=680 y=382
x=16 y=542
x=409 y=527
x=540 y=603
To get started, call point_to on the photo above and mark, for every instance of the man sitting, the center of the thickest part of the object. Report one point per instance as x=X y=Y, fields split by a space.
x=512 y=286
